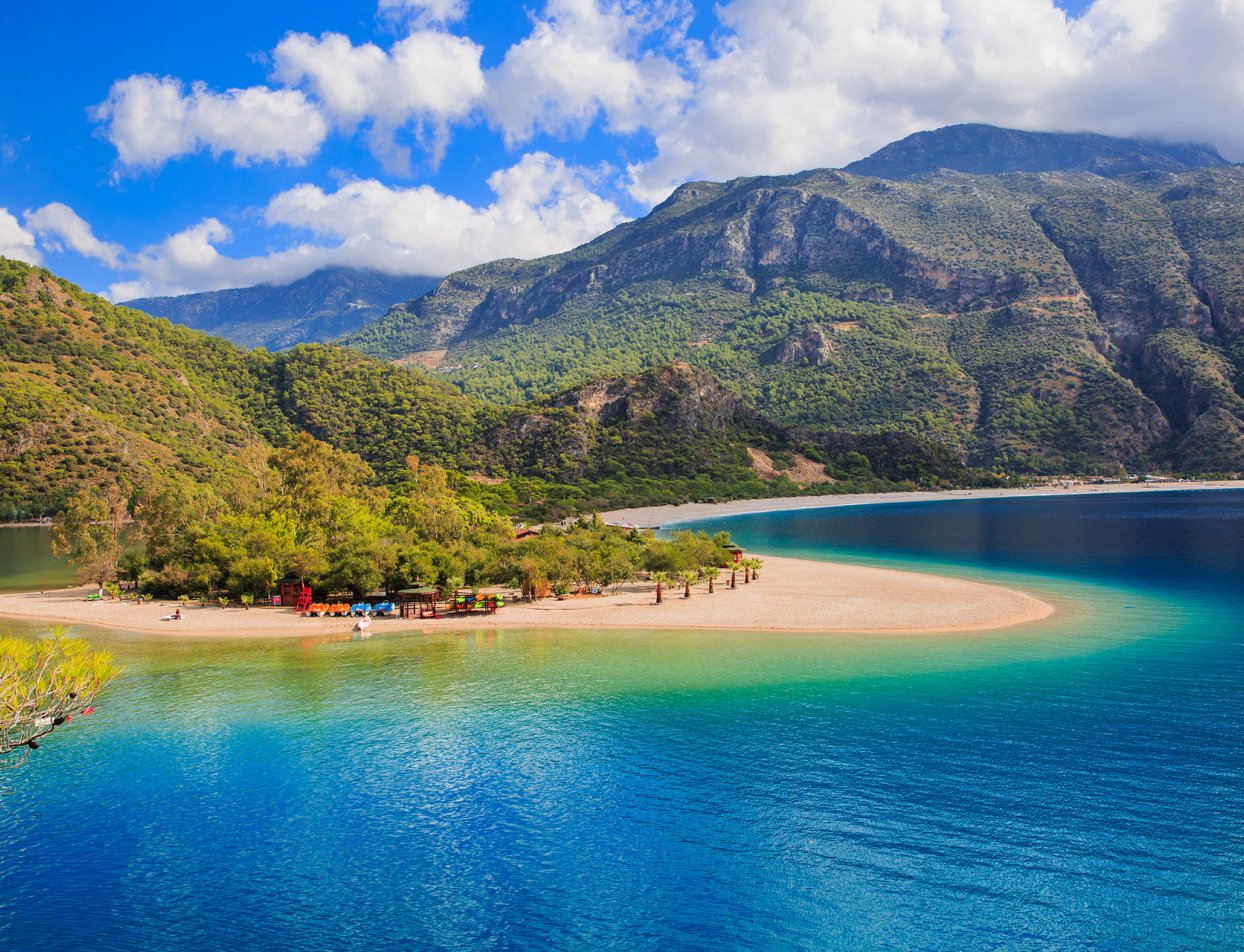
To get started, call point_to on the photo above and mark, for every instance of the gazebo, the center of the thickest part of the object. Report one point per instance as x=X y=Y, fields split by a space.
x=422 y=600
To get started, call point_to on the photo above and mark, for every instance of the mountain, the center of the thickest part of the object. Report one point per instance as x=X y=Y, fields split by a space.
x=326 y=304
x=988 y=150
x=92 y=393
x=1041 y=322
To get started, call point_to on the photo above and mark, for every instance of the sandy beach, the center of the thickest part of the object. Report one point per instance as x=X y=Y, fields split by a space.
x=790 y=595
x=656 y=516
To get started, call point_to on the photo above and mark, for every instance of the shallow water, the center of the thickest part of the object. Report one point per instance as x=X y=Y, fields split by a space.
x=1073 y=784
x=27 y=563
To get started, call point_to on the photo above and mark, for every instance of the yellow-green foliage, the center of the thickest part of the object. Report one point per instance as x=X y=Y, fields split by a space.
x=43 y=684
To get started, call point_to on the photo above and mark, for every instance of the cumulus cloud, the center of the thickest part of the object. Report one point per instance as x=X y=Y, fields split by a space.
x=58 y=226
x=15 y=241
x=428 y=80
x=189 y=260
x=793 y=84
x=151 y=119
x=542 y=206
x=582 y=61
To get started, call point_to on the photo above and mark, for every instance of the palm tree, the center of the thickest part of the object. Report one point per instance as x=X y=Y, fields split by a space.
x=710 y=572
x=660 y=578
x=734 y=574
x=687 y=577
x=756 y=566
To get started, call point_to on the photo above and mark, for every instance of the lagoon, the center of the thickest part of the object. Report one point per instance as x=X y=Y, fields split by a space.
x=1077 y=784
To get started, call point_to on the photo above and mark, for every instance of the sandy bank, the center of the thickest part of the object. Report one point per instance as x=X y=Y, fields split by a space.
x=670 y=515
x=791 y=595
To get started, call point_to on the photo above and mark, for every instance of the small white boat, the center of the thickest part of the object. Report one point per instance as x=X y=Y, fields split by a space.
x=362 y=624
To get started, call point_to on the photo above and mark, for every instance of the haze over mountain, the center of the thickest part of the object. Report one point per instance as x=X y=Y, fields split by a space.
x=1046 y=321
x=323 y=305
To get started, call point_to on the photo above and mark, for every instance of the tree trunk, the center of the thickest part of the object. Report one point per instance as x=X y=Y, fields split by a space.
x=733 y=576
x=658 y=593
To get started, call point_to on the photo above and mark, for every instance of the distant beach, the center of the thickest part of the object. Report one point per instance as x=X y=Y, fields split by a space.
x=790 y=595
x=655 y=516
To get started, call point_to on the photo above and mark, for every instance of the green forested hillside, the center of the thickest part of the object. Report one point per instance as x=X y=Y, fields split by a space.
x=93 y=395
x=1024 y=319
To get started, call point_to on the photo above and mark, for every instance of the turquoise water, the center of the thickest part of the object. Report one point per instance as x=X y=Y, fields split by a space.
x=1073 y=785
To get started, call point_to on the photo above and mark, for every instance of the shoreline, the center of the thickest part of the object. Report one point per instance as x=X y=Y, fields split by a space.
x=655 y=517
x=792 y=595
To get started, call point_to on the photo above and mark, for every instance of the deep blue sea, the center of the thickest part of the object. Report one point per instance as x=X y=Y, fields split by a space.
x=1076 y=784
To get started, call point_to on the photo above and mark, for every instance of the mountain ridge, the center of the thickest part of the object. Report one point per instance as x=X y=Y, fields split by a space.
x=1053 y=321
x=980 y=149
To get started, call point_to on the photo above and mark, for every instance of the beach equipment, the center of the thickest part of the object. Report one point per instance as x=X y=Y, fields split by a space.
x=360 y=608
x=362 y=624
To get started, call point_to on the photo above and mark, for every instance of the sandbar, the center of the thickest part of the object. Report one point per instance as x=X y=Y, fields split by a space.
x=789 y=595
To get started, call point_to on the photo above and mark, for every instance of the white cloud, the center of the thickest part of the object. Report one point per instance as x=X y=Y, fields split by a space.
x=58 y=225
x=15 y=241
x=583 y=61
x=190 y=261
x=424 y=13
x=794 y=84
x=542 y=206
x=427 y=81
x=150 y=119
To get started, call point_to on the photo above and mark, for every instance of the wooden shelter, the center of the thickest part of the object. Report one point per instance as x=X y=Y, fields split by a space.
x=419 y=602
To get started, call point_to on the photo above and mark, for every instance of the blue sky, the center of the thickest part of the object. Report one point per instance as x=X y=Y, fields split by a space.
x=164 y=148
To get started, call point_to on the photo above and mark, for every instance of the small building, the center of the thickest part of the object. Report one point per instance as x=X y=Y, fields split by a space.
x=736 y=552
x=292 y=591
x=526 y=532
